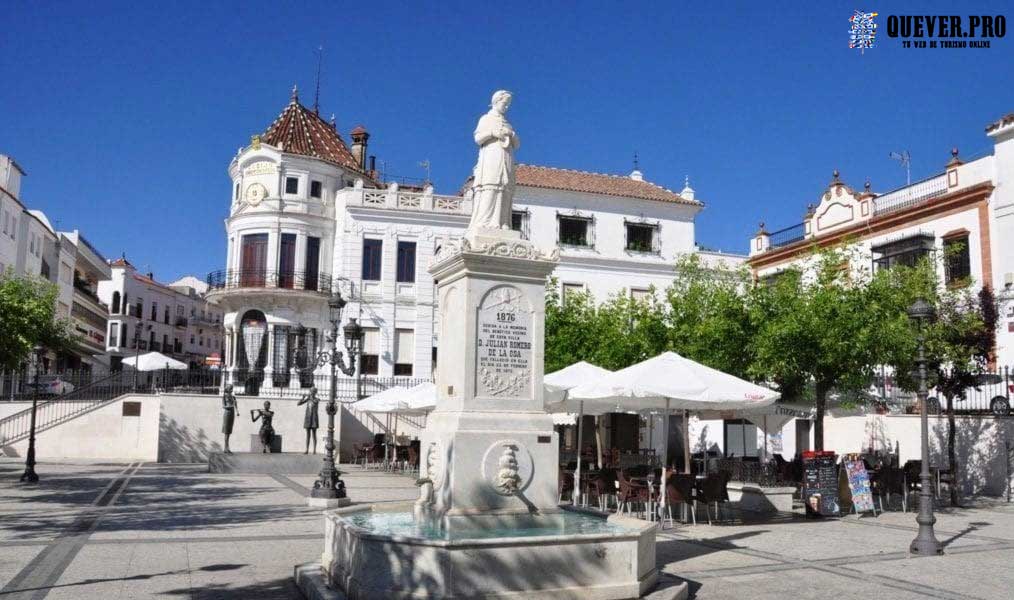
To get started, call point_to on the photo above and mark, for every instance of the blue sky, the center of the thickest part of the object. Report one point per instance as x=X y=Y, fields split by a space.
x=126 y=115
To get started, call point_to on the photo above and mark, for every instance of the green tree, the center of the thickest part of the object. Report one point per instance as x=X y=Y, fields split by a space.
x=823 y=324
x=959 y=342
x=28 y=319
x=707 y=318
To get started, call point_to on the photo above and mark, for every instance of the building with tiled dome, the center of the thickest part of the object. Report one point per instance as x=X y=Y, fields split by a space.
x=310 y=215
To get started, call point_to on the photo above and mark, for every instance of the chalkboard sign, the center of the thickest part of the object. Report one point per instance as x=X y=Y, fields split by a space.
x=859 y=484
x=820 y=483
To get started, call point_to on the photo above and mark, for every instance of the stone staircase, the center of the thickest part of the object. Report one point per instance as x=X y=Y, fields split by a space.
x=56 y=411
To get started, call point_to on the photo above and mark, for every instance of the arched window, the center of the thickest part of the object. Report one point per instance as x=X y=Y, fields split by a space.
x=116 y=303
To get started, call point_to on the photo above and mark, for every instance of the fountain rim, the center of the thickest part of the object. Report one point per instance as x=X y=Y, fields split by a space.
x=636 y=528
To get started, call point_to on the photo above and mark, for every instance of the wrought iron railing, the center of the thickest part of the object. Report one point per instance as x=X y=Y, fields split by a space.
x=228 y=279
x=100 y=390
x=789 y=235
x=910 y=195
x=256 y=383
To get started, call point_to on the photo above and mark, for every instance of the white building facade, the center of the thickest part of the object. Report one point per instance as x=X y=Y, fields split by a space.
x=964 y=214
x=309 y=215
x=31 y=247
x=147 y=316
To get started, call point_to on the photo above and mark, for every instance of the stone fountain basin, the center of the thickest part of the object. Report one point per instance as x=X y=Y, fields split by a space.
x=612 y=564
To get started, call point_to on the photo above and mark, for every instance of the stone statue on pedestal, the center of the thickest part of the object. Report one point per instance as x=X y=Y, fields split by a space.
x=267 y=432
x=228 y=415
x=493 y=176
x=311 y=421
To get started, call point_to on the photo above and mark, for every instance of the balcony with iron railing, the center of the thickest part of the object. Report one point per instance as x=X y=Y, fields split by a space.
x=910 y=195
x=229 y=280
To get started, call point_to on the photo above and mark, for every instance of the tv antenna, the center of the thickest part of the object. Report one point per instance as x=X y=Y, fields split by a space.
x=906 y=161
x=316 y=96
x=426 y=165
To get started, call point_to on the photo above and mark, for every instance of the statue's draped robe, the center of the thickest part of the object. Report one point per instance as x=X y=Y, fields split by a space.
x=493 y=176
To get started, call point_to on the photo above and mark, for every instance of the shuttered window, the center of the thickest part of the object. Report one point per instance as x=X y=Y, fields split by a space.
x=404 y=349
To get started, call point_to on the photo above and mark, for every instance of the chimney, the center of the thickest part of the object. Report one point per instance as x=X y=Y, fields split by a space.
x=151 y=276
x=373 y=165
x=360 y=137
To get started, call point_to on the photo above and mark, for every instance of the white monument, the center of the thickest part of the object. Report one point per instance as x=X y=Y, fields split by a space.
x=487 y=523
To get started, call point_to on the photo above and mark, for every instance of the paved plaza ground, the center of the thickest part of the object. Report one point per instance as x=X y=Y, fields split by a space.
x=106 y=531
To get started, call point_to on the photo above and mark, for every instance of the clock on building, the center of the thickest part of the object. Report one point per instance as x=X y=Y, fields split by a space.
x=255 y=192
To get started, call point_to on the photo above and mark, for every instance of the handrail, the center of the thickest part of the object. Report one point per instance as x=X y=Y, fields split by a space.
x=50 y=413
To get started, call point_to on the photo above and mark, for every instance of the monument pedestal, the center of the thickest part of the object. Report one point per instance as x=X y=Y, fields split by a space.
x=489 y=447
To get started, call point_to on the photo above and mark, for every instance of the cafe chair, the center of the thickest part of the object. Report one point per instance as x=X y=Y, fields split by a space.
x=633 y=490
x=566 y=485
x=604 y=486
x=714 y=490
x=679 y=489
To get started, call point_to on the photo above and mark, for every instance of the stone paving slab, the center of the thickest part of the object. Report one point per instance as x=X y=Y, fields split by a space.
x=164 y=531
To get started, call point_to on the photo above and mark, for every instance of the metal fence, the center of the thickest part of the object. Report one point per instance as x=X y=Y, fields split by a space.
x=911 y=195
x=992 y=395
x=789 y=235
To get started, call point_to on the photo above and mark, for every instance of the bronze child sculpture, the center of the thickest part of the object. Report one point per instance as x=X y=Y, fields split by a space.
x=228 y=415
x=267 y=433
x=310 y=421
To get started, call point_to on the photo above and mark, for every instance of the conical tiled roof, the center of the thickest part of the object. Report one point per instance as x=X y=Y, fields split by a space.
x=299 y=130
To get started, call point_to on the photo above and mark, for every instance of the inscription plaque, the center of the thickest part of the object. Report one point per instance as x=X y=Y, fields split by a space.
x=504 y=344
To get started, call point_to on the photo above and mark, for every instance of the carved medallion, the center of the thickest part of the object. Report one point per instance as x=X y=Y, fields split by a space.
x=507 y=467
x=255 y=192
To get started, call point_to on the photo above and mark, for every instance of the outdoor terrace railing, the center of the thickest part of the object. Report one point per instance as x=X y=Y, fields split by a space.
x=789 y=235
x=256 y=383
x=910 y=195
x=233 y=279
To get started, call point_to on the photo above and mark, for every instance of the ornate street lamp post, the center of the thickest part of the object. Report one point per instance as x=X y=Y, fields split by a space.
x=925 y=543
x=329 y=485
x=29 y=476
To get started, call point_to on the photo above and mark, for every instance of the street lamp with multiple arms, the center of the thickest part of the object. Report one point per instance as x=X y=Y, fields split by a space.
x=329 y=484
x=925 y=543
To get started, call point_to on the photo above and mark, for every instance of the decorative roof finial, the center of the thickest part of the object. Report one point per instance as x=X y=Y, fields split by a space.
x=866 y=186
x=955 y=161
x=637 y=163
x=836 y=174
x=761 y=230
x=686 y=181
x=334 y=124
x=295 y=94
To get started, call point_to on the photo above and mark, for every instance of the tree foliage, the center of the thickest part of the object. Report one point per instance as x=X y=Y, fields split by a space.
x=28 y=319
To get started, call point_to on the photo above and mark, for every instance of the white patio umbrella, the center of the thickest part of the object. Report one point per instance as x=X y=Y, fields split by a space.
x=421 y=399
x=154 y=361
x=670 y=381
x=556 y=386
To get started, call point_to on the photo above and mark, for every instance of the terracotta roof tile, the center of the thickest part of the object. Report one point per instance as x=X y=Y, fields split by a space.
x=596 y=183
x=299 y=130
x=120 y=262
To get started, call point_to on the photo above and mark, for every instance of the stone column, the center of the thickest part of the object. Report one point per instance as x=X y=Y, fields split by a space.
x=269 y=365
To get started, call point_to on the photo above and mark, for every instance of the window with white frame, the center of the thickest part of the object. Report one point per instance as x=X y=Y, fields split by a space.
x=370 y=360
x=576 y=230
x=641 y=237
x=571 y=289
x=404 y=352
x=640 y=294
x=519 y=222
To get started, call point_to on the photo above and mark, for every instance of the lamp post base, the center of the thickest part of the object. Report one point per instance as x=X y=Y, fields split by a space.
x=29 y=476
